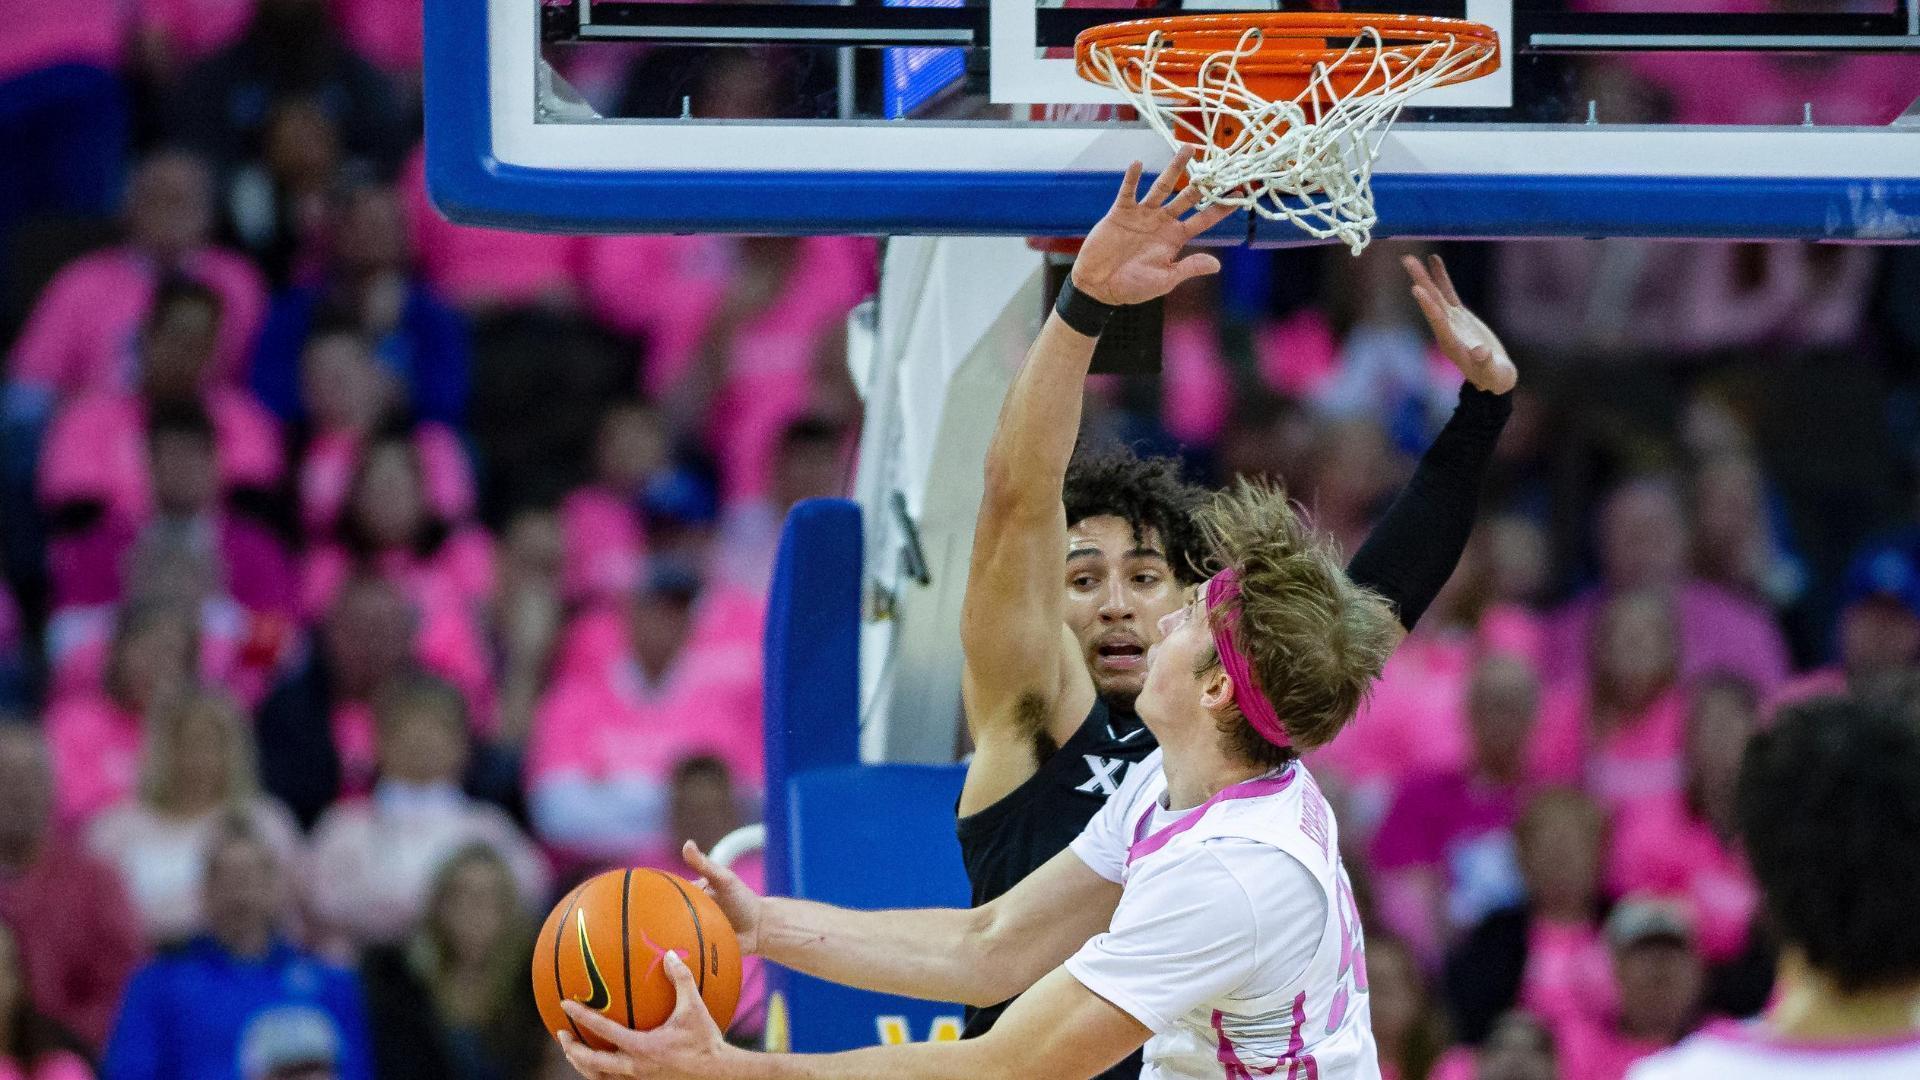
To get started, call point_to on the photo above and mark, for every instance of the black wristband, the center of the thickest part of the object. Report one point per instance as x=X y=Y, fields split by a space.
x=1082 y=313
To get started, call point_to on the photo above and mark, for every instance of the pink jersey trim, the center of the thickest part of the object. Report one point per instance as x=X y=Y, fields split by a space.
x=1755 y=1033
x=1144 y=845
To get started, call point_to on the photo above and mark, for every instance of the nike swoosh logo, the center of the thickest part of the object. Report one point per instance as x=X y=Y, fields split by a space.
x=599 y=999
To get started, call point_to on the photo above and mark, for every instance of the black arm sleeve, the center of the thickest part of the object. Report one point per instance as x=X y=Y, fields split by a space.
x=1413 y=551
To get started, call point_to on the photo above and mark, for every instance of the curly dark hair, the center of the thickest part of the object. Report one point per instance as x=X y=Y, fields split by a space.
x=1149 y=494
x=1829 y=807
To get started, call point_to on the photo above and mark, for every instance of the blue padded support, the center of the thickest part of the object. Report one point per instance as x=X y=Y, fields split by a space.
x=811 y=655
x=871 y=836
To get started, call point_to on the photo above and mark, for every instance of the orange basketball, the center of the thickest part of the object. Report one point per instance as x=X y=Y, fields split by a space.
x=605 y=945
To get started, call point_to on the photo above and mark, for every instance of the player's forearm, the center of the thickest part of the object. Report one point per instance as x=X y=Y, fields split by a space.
x=936 y=954
x=968 y=1059
x=1039 y=421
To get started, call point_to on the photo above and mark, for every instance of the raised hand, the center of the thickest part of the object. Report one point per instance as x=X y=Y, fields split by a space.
x=736 y=899
x=1466 y=340
x=1133 y=254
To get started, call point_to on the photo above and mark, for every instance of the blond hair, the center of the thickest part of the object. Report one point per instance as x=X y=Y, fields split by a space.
x=164 y=728
x=1315 y=639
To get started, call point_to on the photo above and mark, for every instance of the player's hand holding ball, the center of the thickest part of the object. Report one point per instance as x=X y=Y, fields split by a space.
x=1133 y=254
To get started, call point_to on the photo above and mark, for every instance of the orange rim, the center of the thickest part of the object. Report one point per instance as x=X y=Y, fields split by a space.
x=1291 y=43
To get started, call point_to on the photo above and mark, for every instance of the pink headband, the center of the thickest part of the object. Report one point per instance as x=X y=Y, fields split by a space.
x=1222 y=588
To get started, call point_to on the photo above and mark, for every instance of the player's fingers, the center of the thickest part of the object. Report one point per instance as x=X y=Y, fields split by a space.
x=686 y=993
x=1446 y=281
x=1193 y=266
x=1129 y=185
x=1169 y=176
x=1205 y=219
x=1436 y=314
x=698 y=862
x=1417 y=272
x=599 y=1023
x=1188 y=198
x=588 y=1061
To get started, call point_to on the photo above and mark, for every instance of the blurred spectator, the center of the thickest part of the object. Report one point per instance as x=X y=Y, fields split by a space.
x=78 y=939
x=95 y=734
x=1879 y=631
x=1544 y=953
x=15 y=674
x=1443 y=856
x=290 y=51
x=810 y=462
x=605 y=541
x=350 y=401
x=1644 y=542
x=528 y=615
x=63 y=113
x=203 y=1010
x=290 y=1042
x=1387 y=369
x=1735 y=543
x=387 y=32
x=1620 y=734
x=1352 y=472
x=488 y=272
x=173 y=34
x=32 y=1047
x=95 y=471
x=84 y=333
x=608 y=735
x=368 y=285
x=1518 y=1048
x=1660 y=980
x=374 y=859
x=278 y=200
x=196 y=772
x=1409 y=1027
x=1686 y=847
x=454 y=1002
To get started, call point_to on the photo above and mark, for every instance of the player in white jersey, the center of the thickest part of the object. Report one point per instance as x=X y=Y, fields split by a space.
x=1829 y=811
x=1204 y=913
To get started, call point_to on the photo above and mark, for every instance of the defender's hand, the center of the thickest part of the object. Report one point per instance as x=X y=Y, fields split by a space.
x=738 y=901
x=1467 y=341
x=1130 y=256
x=688 y=1045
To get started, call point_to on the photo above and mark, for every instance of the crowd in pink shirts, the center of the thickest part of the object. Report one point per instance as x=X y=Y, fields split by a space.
x=434 y=559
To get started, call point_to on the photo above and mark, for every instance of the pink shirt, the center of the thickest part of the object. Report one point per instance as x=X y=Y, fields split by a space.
x=96 y=450
x=387 y=32
x=1719 y=631
x=77 y=955
x=241 y=652
x=1639 y=761
x=1659 y=848
x=458 y=575
x=1299 y=354
x=481 y=267
x=95 y=747
x=597 y=637
x=1569 y=975
x=1459 y=828
x=1197 y=393
x=1413 y=722
x=1594 y=1050
x=84 y=331
x=43 y=35
x=605 y=545
x=196 y=29
x=58 y=1065
x=331 y=459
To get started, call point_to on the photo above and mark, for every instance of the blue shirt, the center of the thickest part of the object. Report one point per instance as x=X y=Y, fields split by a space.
x=184 y=1012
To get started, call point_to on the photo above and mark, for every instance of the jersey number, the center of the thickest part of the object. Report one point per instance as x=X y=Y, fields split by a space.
x=1352 y=976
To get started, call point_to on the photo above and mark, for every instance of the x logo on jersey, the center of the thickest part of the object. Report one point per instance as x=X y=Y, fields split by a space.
x=1107 y=775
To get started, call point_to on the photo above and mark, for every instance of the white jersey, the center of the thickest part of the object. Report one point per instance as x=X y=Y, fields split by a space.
x=1746 y=1051
x=1236 y=941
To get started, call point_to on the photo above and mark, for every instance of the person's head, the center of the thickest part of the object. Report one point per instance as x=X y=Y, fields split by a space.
x=1634 y=650
x=631 y=446
x=1644 y=535
x=342 y=386
x=473 y=914
x=387 y=507
x=1279 y=636
x=1879 y=628
x=301 y=145
x=1132 y=545
x=704 y=807
x=199 y=755
x=811 y=462
x=1656 y=966
x=169 y=204
x=1407 y=1023
x=368 y=635
x=660 y=615
x=1729 y=513
x=155 y=650
x=289 y=1042
x=533 y=547
x=26 y=790
x=1503 y=698
x=1352 y=468
x=177 y=341
x=369 y=234
x=1558 y=842
x=242 y=889
x=1517 y=559
x=1723 y=713
x=1519 y=1047
x=680 y=509
x=421 y=723
x=1829 y=809
x=180 y=461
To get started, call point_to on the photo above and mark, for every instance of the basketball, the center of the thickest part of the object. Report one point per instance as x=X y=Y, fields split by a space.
x=605 y=943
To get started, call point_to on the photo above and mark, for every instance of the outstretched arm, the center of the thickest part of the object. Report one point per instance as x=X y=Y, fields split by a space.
x=1019 y=669
x=1414 y=549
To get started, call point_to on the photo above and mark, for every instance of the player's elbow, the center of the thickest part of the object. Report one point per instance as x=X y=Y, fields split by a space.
x=993 y=955
x=1015 y=490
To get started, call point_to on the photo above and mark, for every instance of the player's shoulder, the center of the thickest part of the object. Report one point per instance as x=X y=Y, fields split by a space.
x=1744 y=1048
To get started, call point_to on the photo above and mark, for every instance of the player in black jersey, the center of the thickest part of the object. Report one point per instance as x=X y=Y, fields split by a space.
x=1051 y=672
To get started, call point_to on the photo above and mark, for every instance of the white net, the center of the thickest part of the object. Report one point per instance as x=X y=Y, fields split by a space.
x=1307 y=160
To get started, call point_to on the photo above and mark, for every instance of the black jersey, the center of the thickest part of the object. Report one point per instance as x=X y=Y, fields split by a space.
x=1004 y=843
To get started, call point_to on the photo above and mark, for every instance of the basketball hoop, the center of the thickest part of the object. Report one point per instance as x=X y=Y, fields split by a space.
x=1287 y=108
